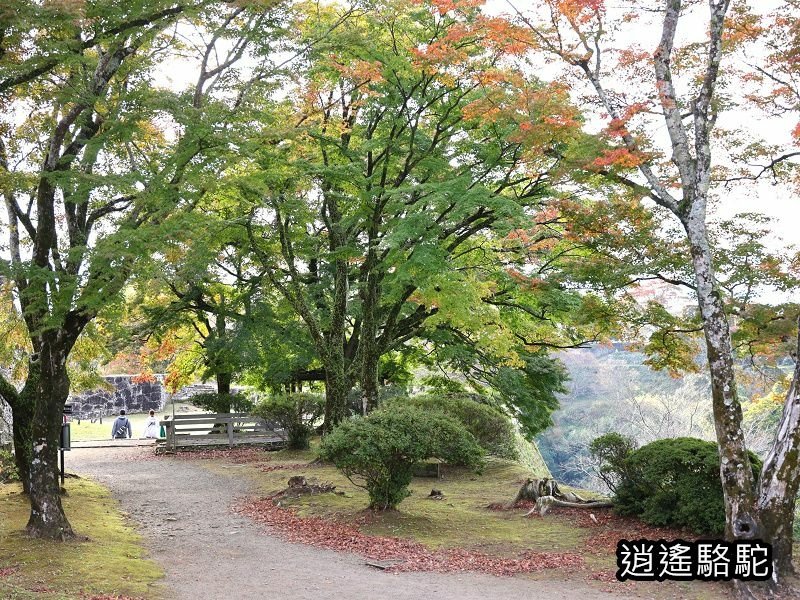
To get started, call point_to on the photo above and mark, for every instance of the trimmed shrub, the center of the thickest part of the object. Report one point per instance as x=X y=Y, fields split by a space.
x=673 y=482
x=379 y=452
x=294 y=413
x=222 y=403
x=610 y=451
x=490 y=426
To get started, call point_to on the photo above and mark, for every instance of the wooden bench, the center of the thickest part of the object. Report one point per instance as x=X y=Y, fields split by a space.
x=222 y=429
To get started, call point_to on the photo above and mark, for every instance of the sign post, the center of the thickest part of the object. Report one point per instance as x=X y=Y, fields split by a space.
x=65 y=441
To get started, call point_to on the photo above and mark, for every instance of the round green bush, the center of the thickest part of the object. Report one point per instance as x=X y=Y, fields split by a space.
x=379 y=452
x=674 y=482
x=222 y=403
x=490 y=426
x=296 y=414
x=610 y=453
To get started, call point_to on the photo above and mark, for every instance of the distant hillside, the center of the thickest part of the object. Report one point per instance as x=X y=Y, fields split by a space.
x=611 y=389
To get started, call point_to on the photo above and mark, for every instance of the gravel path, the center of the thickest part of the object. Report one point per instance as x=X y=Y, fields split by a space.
x=182 y=510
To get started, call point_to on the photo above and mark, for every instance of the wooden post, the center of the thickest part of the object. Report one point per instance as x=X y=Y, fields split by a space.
x=230 y=432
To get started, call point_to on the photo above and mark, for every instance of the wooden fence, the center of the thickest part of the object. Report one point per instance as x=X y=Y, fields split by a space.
x=222 y=429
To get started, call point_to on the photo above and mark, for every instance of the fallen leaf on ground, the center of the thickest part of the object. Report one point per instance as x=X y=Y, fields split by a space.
x=322 y=533
x=10 y=570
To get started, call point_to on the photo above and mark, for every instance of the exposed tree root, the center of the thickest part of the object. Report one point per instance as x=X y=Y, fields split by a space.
x=546 y=493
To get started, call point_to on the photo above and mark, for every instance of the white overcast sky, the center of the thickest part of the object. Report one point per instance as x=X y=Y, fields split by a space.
x=780 y=202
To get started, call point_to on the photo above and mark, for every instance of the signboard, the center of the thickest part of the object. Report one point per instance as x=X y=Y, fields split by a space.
x=65 y=442
x=68 y=409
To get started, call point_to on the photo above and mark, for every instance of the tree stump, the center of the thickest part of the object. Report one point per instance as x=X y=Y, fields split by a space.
x=546 y=494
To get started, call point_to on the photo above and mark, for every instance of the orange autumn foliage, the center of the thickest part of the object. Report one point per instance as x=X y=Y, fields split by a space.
x=618 y=157
x=579 y=11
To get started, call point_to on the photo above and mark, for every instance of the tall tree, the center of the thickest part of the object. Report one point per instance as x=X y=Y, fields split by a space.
x=197 y=297
x=92 y=176
x=383 y=209
x=685 y=90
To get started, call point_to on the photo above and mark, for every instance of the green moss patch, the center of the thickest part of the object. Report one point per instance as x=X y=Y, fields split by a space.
x=111 y=562
x=460 y=520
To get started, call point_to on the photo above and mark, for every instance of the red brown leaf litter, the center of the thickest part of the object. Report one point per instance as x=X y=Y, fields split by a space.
x=10 y=570
x=239 y=456
x=110 y=597
x=607 y=529
x=604 y=576
x=413 y=556
x=233 y=455
x=610 y=528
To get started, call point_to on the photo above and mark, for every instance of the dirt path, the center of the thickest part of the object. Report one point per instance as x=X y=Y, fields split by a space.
x=182 y=510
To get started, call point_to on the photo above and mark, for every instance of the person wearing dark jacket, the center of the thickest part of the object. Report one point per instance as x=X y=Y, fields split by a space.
x=121 y=427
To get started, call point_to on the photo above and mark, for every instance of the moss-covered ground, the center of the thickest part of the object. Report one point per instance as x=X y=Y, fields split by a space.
x=463 y=519
x=107 y=558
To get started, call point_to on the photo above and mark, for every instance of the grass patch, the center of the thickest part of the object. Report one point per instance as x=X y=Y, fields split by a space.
x=88 y=431
x=102 y=431
x=111 y=562
x=460 y=520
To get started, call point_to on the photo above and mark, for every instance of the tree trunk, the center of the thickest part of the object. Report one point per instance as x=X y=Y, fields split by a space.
x=736 y=472
x=223 y=387
x=337 y=381
x=23 y=442
x=22 y=426
x=336 y=390
x=546 y=493
x=224 y=383
x=780 y=478
x=370 y=298
x=47 y=519
x=369 y=376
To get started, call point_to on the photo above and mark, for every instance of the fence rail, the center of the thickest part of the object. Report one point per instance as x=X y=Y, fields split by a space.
x=221 y=429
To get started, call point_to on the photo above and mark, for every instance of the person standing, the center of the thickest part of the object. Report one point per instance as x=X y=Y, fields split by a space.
x=151 y=426
x=121 y=427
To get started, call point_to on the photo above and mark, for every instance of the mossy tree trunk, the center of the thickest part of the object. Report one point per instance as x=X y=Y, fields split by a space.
x=47 y=518
x=337 y=388
x=368 y=346
x=22 y=411
x=21 y=403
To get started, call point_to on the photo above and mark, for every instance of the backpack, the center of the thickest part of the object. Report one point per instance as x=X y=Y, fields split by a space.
x=122 y=430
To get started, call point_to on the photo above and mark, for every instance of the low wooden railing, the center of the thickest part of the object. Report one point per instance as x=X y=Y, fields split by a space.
x=221 y=429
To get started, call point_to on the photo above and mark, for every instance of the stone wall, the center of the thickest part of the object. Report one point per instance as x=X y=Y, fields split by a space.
x=133 y=396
